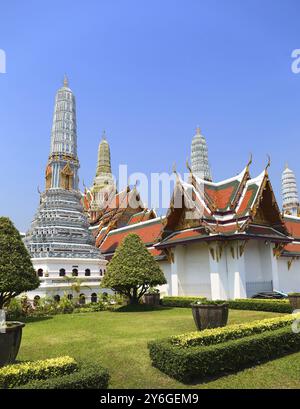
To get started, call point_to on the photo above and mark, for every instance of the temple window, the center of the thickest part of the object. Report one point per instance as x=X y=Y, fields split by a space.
x=62 y=272
x=81 y=299
x=70 y=296
x=93 y=297
x=74 y=272
x=87 y=272
x=40 y=272
x=56 y=298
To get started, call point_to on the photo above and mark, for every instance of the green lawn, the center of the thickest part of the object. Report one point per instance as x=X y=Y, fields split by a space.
x=118 y=340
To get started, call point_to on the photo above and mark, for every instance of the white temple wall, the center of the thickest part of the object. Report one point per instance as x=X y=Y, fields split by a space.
x=195 y=278
x=190 y=274
x=258 y=267
x=166 y=268
x=289 y=279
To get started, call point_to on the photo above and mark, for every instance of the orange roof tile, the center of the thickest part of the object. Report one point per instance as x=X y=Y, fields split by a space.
x=222 y=195
x=292 y=248
x=148 y=232
x=293 y=226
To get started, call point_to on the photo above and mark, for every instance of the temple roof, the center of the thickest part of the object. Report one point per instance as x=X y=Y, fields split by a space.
x=148 y=231
x=293 y=226
x=239 y=207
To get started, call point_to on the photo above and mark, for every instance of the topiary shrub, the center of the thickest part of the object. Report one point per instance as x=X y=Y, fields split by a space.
x=132 y=270
x=16 y=270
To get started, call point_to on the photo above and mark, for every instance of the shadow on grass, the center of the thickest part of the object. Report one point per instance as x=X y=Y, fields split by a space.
x=141 y=308
x=36 y=319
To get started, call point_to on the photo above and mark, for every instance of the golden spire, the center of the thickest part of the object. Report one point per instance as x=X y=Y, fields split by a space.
x=104 y=164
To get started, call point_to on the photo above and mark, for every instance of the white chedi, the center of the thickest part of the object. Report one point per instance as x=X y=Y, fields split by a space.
x=290 y=196
x=199 y=157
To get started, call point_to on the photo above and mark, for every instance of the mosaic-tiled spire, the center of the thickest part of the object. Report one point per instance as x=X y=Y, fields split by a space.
x=63 y=164
x=199 y=157
x=63 y=135
x=60 y=227
x=289 y=192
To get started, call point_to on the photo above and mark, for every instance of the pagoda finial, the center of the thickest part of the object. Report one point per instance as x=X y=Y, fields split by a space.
x=286 y=166
x=269 y=162
x=174 y=168
x=188 y=165
x=198 y=130
x=66 y=81
x=250 y=160
x=104 y=135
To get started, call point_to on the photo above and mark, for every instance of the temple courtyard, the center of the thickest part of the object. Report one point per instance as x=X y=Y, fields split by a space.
x=118 y=340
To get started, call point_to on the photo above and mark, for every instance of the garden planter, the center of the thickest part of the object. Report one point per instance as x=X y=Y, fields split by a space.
x=295 y=301
x=210 y=315
x=10 y=340
x=152 y=299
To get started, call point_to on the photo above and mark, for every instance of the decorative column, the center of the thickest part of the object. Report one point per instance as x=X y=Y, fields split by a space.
x=236 y=269
x=218 y=271
x=274 y=267
x=177 y=268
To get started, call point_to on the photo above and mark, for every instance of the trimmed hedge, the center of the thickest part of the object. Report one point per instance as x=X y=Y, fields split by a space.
x=282 y=306
x=187 y=364
x=236 y=331
x=88 y=377
x=180 y=301
x=19 y=374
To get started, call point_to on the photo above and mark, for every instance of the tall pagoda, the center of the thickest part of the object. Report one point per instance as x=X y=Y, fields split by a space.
x=59 y=240
x=289 y=192
x=199 y=157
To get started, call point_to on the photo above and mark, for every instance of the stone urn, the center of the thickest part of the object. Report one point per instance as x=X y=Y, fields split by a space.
x=294 y=299
x=152 y=299
x=10 y=340
x=210 y=315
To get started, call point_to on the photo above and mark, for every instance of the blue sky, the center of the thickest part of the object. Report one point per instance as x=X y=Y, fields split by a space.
x=148 y=72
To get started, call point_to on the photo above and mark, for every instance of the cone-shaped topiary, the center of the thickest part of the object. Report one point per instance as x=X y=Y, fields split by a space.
x=132 y=270
x=16 y=271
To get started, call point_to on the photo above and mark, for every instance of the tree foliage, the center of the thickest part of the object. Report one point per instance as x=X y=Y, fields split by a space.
x=16 y=270
x=132 y=270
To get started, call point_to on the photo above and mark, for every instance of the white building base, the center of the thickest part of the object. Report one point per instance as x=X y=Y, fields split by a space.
x=57 y=276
